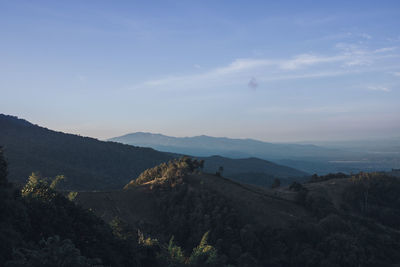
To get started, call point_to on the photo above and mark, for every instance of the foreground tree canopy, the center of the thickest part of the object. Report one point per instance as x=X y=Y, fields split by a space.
x=40 y=227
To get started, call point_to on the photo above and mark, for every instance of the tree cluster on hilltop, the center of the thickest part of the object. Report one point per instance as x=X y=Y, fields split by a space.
x=171 y=172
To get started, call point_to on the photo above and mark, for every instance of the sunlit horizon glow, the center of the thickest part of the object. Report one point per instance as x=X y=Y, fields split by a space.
x=280 y=72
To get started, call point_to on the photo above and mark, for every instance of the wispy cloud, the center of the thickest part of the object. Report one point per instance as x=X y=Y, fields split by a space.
x=365 y=36
x=303 y=110
x=347 y=35
x=308 y=60
x=242 y=65
x=355 y=54
x=378 y=88
x=386 y=49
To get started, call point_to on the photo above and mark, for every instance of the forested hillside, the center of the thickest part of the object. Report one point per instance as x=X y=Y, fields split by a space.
x=174 y=215
x=87 y=162
x=325 y=222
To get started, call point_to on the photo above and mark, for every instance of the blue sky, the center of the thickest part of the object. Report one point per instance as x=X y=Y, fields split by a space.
x=270 y=70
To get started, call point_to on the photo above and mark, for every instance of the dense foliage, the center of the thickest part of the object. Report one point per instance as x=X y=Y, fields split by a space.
x=171 y=172
x=40 y=220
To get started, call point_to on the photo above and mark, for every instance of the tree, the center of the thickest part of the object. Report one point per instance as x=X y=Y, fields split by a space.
x=175 y=257
x=3 y=169
x=201 y=164
x=363 y=182
x=39 y=188
x=276 y=183
x=204 y=254
x=56 y=181
x=220 y=171
x=13 y=215
x=295 y=186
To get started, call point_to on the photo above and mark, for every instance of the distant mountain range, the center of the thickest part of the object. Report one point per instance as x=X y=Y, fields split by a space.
x=346 y=157
x=238 y=148
x=90 y=164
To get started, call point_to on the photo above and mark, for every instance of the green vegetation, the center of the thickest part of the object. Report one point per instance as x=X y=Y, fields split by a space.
x=41 y=225
x=204 y=254
x=169 y=173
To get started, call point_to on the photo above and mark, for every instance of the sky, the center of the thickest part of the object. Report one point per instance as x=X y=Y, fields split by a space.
x=278 y=71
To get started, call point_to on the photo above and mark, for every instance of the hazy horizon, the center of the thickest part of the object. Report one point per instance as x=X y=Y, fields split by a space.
x=294 y=141
x=287 y=71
